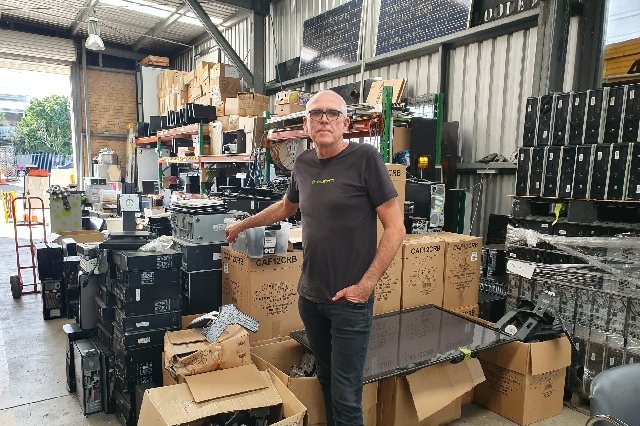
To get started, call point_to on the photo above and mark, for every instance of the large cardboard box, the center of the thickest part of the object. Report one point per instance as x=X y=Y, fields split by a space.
x=223 y=88
x=252 y=104
x=232 y=106
x=401 y=139
x=462 y=269
x=264 y=288
x=430 y=396
x=280 y=356
x=254 y=129
x=223 y=391
x=187 y=352
x=85 y=236
x=423 y=261
x=215 y=137
x=398 y=175
x=209 y=69
x=388 y=291
x=525 y=381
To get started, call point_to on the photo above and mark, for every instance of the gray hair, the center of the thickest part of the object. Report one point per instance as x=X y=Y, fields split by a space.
x=340 y=99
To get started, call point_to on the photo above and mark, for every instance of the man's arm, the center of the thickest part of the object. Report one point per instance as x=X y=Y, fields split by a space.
x=394 y=231
x=272 y=214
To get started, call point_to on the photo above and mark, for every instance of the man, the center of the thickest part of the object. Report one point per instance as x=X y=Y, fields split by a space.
x=340 y=187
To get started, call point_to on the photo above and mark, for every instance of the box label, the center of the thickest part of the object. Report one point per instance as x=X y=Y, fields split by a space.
x=137 y=294
x=142 y=324
x=144 y=340
x=474 y=256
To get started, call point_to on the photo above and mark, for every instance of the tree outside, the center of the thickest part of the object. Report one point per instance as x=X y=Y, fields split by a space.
x=45 y=127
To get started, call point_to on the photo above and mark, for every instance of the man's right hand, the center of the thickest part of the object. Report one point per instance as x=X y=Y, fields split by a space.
x=232 y=231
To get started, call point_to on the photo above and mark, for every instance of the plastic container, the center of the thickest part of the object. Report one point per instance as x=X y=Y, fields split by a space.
x=263 y=241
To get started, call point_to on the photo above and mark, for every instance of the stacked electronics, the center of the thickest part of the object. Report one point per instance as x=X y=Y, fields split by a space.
x=199 y=233
x=426 y=213
x=582 y=145
x=577 y=177
x=147 y=297
x=49 y=260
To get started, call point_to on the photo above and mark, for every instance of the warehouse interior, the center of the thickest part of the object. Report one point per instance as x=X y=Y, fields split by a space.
x=509 y=130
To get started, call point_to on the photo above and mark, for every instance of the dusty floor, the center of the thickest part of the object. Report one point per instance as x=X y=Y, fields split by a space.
x=32 y=364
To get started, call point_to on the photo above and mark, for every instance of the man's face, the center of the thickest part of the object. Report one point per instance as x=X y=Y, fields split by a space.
x=324 y=130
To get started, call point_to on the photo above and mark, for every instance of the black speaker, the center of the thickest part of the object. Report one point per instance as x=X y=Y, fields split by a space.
x=633 y=182
x=631 y=124
x=596 y=110
x=565 y=184
x=561 y=106
x=600 y=172
x=615 y=111
x=582 y=172
x=155 y=124
x=423 y=144
x=577 y=118
x=536 y=174
x=545 y=120
x=618 y=168
x=522 y=174
x=530 y=122
x=552 y=165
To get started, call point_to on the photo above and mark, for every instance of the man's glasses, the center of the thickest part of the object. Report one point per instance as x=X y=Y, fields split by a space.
x=332 y=114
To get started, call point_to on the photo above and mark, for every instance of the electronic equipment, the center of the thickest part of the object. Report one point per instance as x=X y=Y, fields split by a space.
x=577 y=118
x=582 y=172
x=200 y=221
x=436 y=213
x=552 y=166
x=536 y=173
x=88 y=376
x=522 y=173
x=568 y=162
x=108 y=376
x=307 y=366
x=533 y=323
x=530 y=122
x=633 y=181
x=457 y=211
x=202 y=291
x=561 y=110
x=545 y=120
x=600 y=172
x=423 y=148
x=596 y=115
x=618 y=172
x=631 y=122
x=613 y=126
x=87 y=312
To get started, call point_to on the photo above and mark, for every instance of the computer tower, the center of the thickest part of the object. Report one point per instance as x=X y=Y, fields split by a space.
x=522 y=173
x=618 y=171
x=88 y=376
x=108 y=371
x=423 y=144
x=536 y=174
x=577 y=118
x=457 y=211
x=88 y=312
x=615 y=113
x=633 y=181
x=436 y=215
x=202 y=291
x=530 y=122
x=582 y=172
x=552 y=165
x=561 y=109
x=545 y=120
x=596 y=115
x=600 y=172
x=565 y=185
x=631 y=122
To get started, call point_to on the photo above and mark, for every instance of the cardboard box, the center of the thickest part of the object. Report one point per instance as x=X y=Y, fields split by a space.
x=222 y=391
x=279 y=356
x=232 y=106
x=286 y=109
x=398 y=175
x=233 y=124
x=401 y=139
x=423 y=262
x=78 y=236
x=219 y=108
x=430 y=396
x=292 y=97
x=223 y=88
x=215 y=138
x=252 y=104
x=388 y=292
x=158 y=61
x=265 y=289
x=462 y=269
x=254 y=128
x=187 y=352
x=470 y=311
x=210 y=69
x=525 y=381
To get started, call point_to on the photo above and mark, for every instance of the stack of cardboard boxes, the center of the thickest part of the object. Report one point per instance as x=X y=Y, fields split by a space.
x=171 y=91
x=243 y=111
x=290 y=101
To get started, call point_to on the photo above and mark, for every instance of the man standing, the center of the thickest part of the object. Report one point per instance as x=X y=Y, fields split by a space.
x=340 y=187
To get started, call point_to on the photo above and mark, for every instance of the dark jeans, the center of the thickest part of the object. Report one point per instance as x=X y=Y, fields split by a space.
x=338 y=335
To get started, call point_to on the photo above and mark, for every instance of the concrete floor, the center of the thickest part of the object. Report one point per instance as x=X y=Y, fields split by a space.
x=32 y=364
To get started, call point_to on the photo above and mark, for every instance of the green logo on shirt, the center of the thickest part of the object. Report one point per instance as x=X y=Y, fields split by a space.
x=322 y=181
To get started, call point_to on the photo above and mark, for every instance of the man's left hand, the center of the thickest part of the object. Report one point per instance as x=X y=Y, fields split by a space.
x=357 y=293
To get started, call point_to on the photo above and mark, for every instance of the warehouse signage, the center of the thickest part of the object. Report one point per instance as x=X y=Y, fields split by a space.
x=484 y=11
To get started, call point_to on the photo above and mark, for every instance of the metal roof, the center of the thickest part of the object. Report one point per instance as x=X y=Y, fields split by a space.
x=149 y=25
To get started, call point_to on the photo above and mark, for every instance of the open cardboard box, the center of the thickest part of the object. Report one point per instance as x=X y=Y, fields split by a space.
x=525 y=381
x=187 y=352
x=430 y=396
x=84 y=236
x=280 y=356
x=223 y=391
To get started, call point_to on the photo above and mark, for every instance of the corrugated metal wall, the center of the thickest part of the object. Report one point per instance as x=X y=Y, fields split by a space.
x=239 y=35
x=489 y=196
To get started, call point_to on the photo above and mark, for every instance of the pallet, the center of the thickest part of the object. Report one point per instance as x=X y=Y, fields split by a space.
x=578 y=401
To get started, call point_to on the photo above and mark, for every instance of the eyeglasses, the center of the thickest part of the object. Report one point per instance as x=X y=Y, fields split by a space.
x=332 y=114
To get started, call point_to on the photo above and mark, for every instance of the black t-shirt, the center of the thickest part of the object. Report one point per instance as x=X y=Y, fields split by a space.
x=337 y=197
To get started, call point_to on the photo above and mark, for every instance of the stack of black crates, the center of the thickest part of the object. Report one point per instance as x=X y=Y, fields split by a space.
x=578 y=177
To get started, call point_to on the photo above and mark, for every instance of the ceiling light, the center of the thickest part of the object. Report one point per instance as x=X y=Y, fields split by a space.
x=94 y=42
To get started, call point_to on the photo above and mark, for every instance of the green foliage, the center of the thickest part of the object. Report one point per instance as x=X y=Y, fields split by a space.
x=45 y=127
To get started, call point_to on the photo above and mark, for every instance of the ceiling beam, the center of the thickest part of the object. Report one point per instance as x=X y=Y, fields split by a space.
x=160 y=26
x=221 y=41
x=82 y=15
x=259 y=6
